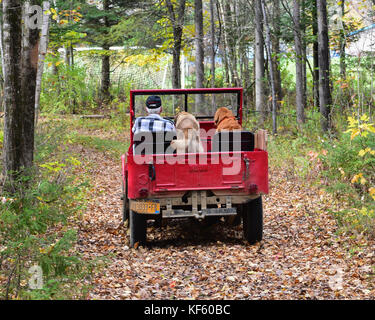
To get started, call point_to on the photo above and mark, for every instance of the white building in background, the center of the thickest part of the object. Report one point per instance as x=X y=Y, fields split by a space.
x=365 y=43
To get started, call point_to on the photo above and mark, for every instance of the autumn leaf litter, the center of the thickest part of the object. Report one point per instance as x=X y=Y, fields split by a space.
x=301 y=256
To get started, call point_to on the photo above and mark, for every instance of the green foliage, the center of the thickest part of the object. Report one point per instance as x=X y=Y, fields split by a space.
x=68 y=91
x=66 y=20
x=35 y=226
x=350 y=167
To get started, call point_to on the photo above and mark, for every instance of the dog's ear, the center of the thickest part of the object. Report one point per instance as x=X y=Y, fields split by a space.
x=216 y=117
x=220 y=114
x=176 y=117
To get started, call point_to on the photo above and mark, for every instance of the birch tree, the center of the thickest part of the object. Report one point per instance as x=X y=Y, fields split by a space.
x=259 y=62
x=300 y=79
x=42 y=54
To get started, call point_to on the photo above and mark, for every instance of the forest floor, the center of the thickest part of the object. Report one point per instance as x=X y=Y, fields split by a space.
x=302 y=255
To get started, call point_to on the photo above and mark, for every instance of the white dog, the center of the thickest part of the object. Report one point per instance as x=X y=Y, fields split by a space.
x=188 y=139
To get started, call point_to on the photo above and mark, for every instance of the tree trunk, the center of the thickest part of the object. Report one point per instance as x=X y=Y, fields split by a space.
x=325 y=98
x=342 y=44
x=177 y=21
x=271 y=71
x=199 y=56
x=67 y=56
x=71 y=54
x=12 y=48
x=304 y=44
x=259 y=63
x=231 y=43
x=28 y=81
x=276 y=51
x=224 y=44
x=106 y=77
x=315 y=55
x=212 y=17
x=300 y=94
x=42 y=54
x=2 y=66
x=106 y=74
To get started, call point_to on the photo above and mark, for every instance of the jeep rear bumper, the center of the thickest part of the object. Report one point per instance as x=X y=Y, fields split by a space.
x=198 y=205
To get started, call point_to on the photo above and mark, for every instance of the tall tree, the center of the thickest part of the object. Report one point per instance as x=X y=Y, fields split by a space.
x=342 y=42
x=199 y=56
x=30 y=55
x=300 y=79
x=106 y=72
x=176 y=17
x=315 y=53
x=42 y=54
x=12 y=49
x=212 y=34
x=259 y=62
x=98 y=23
x=325 y=98
x=271 y=69
x=275 y=38
x=224 y=44
x=231 y=37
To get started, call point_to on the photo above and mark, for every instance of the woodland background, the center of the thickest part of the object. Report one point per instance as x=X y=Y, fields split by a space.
x=306 y=66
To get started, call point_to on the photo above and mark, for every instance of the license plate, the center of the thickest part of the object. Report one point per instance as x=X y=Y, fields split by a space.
x=148 y=207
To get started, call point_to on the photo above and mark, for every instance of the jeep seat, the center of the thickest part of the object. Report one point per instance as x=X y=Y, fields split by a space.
x=226 y=141
x=147 y=142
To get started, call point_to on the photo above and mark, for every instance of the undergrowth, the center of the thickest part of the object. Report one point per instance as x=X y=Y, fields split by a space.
x=341 y=163
x=38 y=259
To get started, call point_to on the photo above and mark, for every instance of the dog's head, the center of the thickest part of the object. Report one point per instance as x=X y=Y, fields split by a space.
x=178 y=115
x=222 y=113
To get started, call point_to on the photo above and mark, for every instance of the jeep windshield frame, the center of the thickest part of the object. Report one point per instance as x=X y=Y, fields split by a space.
x=186 y=93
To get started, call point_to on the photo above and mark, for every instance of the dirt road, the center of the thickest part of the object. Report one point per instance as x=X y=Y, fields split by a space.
x=301 y=256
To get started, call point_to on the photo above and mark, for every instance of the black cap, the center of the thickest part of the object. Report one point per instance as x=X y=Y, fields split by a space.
x=153 y=102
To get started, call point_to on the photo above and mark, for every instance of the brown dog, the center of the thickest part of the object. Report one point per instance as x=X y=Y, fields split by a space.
x=188 y=139
x=225 y=120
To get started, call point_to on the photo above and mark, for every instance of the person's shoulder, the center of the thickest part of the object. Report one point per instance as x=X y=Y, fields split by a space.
x=140 y=119
x=168 y=120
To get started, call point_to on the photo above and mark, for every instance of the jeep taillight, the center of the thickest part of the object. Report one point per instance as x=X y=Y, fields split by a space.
x=143 y=193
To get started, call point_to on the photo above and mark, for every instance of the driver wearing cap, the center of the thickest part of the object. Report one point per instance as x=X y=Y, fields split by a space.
x=153 y=122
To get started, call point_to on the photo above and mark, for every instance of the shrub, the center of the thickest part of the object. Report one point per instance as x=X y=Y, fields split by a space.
x=35 y=227
x=350 y=169
x=68 y=91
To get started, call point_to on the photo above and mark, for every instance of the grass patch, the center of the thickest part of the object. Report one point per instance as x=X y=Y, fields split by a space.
x=112 y=148
x=117 y=122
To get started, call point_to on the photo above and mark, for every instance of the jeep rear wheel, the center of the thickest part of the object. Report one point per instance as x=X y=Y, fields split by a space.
x=125 y=202
x=253 y=221
x=138 y=228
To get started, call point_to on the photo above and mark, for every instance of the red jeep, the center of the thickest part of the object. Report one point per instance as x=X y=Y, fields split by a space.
x=228 y=179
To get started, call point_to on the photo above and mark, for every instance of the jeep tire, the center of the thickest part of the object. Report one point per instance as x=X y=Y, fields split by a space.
x=138 y=228
x=253 y=220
